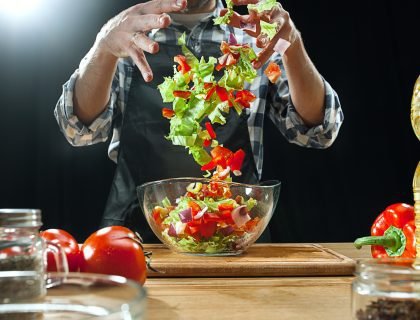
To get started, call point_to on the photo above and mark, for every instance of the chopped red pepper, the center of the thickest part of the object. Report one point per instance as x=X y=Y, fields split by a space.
x=168 y=113
x=182 y=94
x=393 y=233
x=222 y=93
x=237 y=160
x=244 y=97
x=206 y=143
x=183 y=65
x=210 y=93
x=221 y=155
x=210 y=130
x=208 y=166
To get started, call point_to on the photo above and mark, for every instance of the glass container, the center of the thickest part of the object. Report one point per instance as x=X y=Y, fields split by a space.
x=386 y=289
x=208 y=217
x=80 y=296
x=22 y=249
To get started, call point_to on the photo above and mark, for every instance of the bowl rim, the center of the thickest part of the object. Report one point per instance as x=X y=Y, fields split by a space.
x=272 y=183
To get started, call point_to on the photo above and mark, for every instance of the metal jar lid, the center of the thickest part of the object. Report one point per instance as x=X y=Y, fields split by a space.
x=20 y=218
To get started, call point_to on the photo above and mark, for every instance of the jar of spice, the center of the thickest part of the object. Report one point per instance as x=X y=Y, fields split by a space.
x=386 y=289
x=22 y=256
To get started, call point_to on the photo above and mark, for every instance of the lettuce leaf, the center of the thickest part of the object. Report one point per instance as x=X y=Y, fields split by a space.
x=265 y=5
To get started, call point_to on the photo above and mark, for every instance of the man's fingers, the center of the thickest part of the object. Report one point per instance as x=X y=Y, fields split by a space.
x=160 y=6
x=140 y=60
x=144 y=43
x=244 y=2
x=148 y=22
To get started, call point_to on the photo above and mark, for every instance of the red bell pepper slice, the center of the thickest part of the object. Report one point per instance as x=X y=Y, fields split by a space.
x=221 y=155
x=210 y=93
x=206 y=143
x=244 y=97
x=237 y=160
x=209 y=166
x=210 y=130
x=195 y=207
x=168 y=113
x=182 y=94
x=222 y=93
x=183 y=64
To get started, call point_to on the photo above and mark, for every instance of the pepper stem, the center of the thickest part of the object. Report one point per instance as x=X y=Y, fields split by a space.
x=393 y=241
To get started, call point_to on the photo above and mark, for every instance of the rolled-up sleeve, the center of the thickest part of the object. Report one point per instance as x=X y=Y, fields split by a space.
x=76 y=133
x=291 y=125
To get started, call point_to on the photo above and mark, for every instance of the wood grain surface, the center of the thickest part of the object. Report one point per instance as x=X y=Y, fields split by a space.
x=261 y=260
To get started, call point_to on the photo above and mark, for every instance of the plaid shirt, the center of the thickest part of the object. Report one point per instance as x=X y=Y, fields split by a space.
x=275 y=97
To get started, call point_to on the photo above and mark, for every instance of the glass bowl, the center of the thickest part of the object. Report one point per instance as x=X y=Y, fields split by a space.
x=77 y=296
x=208 y=217
x=386 y=288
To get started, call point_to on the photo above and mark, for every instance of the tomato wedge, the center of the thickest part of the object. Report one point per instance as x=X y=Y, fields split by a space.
x=182 y=94
x=221 y=155
x=168 y=113
x=273 y=72
x=244 y=97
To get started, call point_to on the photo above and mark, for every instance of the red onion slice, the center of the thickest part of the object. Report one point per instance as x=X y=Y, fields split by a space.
x=186 y=215
x=201 y=213
x=172 y=230
x=232 y=39
x=226 y=231
x=240 y=215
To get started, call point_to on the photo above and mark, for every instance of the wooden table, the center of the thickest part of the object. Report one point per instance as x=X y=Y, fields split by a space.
x=289 y=298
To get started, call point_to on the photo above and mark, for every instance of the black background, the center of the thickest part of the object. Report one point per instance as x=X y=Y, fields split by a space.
x=366 y=49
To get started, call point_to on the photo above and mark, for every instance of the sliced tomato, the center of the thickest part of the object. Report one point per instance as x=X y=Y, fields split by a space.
x=168 y=113
x=183 y=65
x=273 y=72
x=210 y=130
x=182 y=94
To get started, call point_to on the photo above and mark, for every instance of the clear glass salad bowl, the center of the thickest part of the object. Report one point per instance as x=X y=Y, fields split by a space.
x=208 y=217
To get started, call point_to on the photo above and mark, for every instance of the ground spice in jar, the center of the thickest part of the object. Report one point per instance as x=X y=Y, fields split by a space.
x=390 y=309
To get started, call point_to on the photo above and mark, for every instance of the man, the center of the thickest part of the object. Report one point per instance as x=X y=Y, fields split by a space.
x=115 y=89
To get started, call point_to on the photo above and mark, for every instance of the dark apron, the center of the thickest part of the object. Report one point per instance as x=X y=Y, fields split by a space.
x=145 y=155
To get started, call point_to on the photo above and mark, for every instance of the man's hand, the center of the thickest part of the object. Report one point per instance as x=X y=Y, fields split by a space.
x=285 y=28
x=125 y=34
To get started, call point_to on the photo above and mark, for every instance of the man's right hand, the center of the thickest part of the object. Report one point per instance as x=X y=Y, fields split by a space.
x=125 y=34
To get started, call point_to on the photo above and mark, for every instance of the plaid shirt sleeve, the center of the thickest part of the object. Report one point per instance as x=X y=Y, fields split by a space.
x=75 y=131
x=291 y=125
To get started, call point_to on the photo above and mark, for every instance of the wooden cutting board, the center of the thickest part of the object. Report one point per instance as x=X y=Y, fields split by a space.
x=261 y=260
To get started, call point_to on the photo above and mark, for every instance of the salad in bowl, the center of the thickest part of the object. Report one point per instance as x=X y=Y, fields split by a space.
x=208 y=216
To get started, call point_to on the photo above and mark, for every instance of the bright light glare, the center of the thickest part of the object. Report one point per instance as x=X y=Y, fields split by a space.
x=18 y=7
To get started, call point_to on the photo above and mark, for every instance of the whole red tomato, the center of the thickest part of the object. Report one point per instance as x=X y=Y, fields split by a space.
x=114 y=250
x=68 y=243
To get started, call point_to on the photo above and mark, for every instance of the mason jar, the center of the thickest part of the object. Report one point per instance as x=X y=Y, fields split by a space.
x=22 y=256
x=386 y=289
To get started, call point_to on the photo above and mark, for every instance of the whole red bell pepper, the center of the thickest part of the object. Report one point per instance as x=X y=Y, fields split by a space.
x=393 y=233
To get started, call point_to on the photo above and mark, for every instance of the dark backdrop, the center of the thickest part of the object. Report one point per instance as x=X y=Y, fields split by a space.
x=366 y=50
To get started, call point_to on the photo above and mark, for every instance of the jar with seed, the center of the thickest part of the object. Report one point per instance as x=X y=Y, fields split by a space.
x=386 y=289
x=22 y=256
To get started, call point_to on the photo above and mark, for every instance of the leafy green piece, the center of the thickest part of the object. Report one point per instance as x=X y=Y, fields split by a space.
x=270 y=29
x=200 y=155
x=226 y=18
x=166 y=89
x=265 y=5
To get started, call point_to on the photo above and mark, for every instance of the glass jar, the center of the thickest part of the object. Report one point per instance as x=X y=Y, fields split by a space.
x=22 y=250
x=386 y=289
